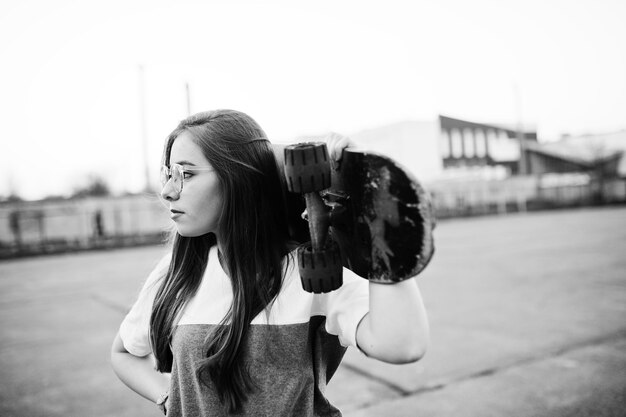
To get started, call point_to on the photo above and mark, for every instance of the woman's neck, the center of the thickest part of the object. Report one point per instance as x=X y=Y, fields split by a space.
x=221 y=258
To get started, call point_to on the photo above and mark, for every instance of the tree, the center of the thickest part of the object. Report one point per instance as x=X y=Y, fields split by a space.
x=13 y=197
x=96 y=186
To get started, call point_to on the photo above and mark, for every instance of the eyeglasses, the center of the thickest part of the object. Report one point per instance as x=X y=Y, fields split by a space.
x=177 y=173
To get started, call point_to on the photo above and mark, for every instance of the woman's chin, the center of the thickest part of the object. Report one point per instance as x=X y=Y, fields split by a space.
x=184 y=232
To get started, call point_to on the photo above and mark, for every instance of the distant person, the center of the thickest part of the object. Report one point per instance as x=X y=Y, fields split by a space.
x=224 y=312
x=98 y=226
x=15 y=226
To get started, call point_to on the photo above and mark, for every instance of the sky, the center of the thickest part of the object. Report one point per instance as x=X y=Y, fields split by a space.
x=74 y=74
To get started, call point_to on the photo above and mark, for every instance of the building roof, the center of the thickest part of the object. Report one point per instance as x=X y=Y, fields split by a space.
x=530 y=132
x=587 y=150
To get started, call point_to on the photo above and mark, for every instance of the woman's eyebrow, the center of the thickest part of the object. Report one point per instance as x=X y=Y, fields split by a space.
x=185 y=163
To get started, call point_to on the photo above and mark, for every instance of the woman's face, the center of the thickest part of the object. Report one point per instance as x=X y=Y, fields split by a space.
x=196 y=209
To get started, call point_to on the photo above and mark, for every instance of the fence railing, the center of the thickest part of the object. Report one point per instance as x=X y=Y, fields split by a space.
x=52 y=226
x=519 y=194
x=28 y=228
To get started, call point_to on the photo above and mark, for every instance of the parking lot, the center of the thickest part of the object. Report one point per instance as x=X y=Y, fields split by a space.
x=527 y=314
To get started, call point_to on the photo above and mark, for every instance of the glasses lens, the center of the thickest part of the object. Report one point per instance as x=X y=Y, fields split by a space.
x=177 y=177
x=164 y=175
x=174 y=174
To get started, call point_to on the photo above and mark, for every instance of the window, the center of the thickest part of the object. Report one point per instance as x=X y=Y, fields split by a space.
x=470 y=145
x=481 y=146
x=456 y=143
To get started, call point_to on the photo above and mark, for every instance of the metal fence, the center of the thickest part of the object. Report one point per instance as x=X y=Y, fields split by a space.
x=94 y=222
x=523 y=193
x=28 y=228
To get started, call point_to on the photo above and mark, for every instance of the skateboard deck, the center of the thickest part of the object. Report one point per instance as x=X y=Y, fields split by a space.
x=377 y=212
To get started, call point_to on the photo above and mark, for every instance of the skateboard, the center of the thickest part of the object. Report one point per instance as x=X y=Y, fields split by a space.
x=367 y=214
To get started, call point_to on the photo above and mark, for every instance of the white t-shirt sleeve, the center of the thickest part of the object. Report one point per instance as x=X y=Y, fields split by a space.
x=346 y=307
x=135 y=328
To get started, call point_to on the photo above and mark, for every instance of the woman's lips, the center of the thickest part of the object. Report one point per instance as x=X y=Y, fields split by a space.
x=175 y=214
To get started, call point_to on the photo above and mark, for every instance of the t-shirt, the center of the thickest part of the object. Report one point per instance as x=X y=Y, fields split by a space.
x=291 y=352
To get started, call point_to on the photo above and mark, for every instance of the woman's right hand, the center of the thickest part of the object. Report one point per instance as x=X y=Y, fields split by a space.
x=167 y=406
x=336 y=143
x=138 y=372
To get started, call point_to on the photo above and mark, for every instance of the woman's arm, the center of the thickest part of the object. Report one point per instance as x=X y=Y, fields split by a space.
x=138 y=373
x=396 y=328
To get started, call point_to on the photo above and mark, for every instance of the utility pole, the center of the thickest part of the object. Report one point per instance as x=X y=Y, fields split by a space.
x=523 y=169
x=188 y=99
x=144 y=133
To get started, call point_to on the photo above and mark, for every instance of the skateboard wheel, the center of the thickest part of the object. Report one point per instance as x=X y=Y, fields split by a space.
x=320 y=271
x=307 y=167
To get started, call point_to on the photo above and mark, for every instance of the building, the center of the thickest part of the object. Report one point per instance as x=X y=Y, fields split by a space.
x=466 y=144
x=414 y=144
x=477 y=168
x=449 y=147
x=597 y=155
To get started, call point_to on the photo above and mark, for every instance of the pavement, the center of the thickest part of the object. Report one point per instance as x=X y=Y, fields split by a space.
x=527 y=315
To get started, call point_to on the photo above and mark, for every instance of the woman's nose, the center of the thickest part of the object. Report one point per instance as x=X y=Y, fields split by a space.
x=168 y=192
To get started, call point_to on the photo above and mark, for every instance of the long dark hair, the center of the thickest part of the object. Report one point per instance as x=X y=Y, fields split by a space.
x=253 y=236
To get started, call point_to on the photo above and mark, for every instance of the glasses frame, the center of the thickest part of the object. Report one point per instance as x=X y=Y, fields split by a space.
x=167 y=171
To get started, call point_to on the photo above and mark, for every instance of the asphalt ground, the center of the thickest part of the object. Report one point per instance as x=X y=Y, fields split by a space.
x=527 y=314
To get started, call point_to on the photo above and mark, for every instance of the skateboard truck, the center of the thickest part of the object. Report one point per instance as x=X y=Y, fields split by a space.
x=307 y=170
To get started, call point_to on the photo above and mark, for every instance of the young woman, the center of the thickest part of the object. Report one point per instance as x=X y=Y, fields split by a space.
x=222 y=325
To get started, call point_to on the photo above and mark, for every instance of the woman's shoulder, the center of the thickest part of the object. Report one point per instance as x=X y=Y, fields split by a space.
x=165 y=259
x=159 y=269
x=291 y=275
